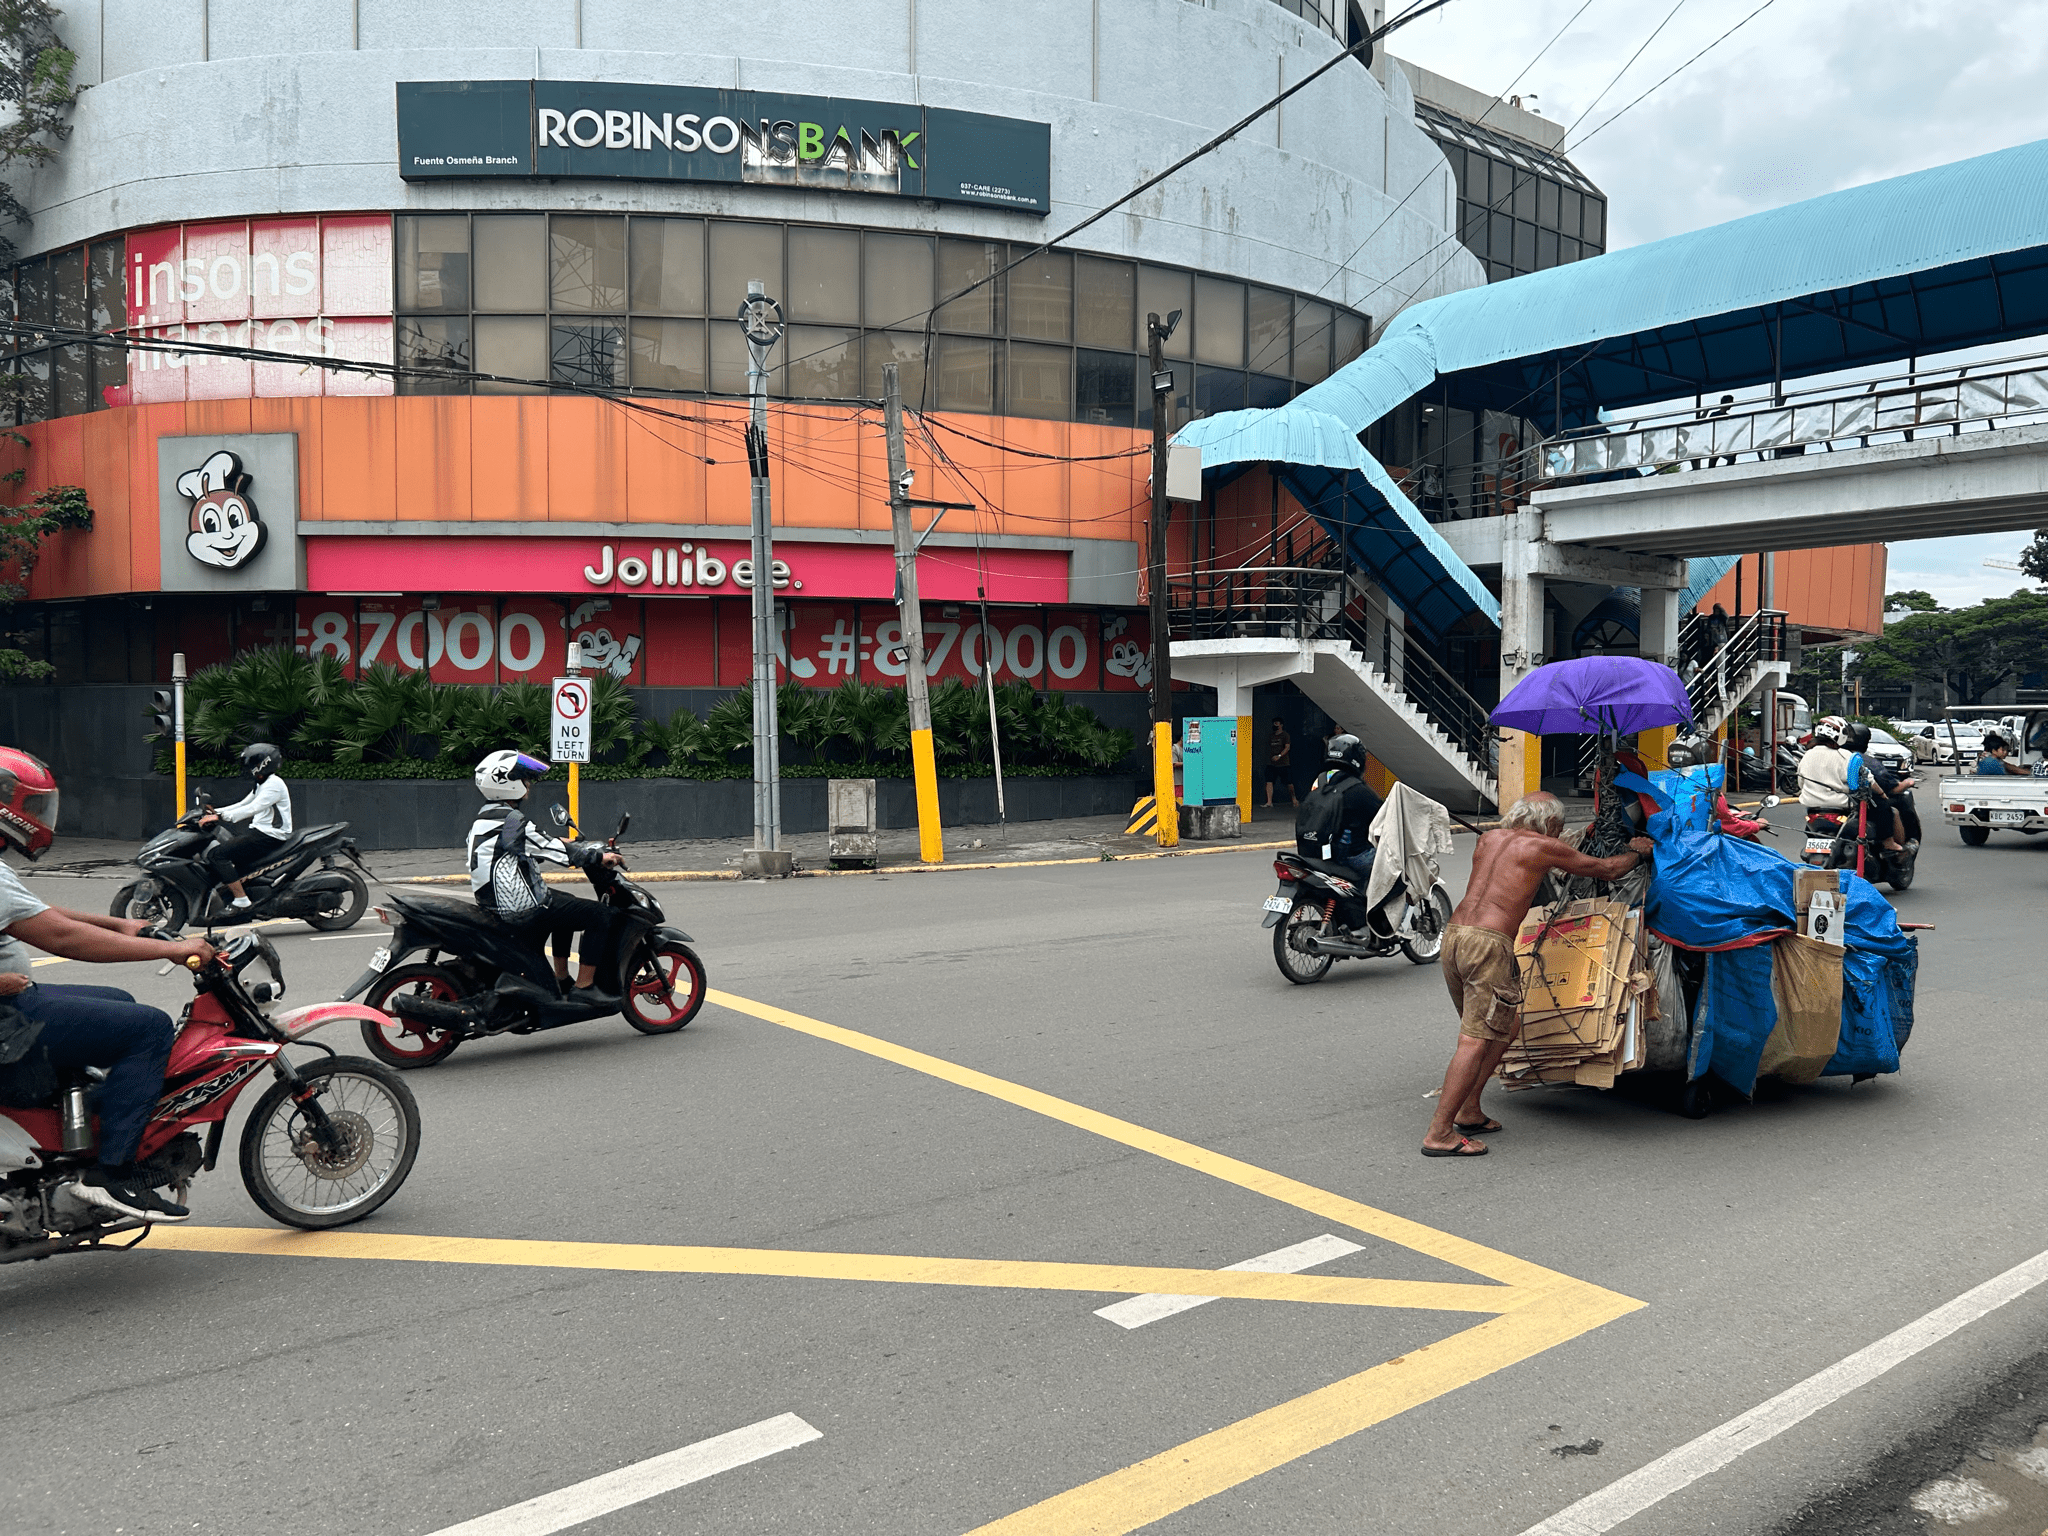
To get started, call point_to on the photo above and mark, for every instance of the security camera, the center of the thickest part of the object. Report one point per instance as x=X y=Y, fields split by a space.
x=903 y=483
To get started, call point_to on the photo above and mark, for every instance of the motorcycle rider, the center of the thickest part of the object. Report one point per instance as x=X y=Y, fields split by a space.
x=1896 y=813
x=503 y=848
x=268 y=811
x=1338 y=809
x=49 y=1032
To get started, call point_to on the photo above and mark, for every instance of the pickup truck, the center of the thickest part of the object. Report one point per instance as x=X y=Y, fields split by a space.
x=1976 y=807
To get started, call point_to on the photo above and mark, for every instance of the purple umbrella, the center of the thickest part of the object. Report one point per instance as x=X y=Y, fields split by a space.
x=1595 y=695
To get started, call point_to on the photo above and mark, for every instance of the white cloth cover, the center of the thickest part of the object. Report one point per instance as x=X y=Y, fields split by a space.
x=1410 y=833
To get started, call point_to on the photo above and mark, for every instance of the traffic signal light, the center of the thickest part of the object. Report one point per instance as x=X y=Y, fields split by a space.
x=161 y=711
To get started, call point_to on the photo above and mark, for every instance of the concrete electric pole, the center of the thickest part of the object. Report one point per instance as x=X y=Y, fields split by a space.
x=1162 y=658
x=931 y=846
x=761 y=319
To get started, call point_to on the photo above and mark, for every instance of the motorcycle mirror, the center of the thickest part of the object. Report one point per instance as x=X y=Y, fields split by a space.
x=559 y=814
x=1771 y=800
x=625 y=820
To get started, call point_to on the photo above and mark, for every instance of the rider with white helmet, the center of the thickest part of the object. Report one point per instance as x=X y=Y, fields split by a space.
x=1824 y=770
x=505 y=851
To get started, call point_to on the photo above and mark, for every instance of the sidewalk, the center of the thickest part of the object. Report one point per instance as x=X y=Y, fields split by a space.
x=1080 y=838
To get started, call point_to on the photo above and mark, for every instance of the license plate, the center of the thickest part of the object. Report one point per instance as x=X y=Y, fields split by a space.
x=380 y=959
x=2007 y=818
x=1278 y=904
x=1819 y=844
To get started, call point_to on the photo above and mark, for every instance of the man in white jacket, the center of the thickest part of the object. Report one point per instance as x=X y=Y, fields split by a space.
x=265 y=813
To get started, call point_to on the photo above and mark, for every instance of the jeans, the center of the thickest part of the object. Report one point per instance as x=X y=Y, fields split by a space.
x=99 y=1027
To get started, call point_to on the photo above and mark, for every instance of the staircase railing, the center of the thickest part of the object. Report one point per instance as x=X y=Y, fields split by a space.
x=1714 y=675
x=1319 y=602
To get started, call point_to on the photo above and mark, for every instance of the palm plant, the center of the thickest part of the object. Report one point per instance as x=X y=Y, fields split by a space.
x=959 y=722
x=873 y=721
x=730 y=726
x=259 y=696
x=684 y=739
x=804 y=716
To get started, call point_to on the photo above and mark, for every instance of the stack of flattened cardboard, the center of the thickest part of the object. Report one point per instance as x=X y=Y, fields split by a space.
x=1588 y=990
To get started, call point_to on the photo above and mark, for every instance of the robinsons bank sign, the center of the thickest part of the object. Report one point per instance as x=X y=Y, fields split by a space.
x=531 y=128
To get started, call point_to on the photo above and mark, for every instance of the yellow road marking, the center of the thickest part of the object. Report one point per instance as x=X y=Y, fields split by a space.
x=902 y=1269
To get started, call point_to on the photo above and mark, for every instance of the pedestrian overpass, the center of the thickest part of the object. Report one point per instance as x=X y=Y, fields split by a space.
x=1795 y=309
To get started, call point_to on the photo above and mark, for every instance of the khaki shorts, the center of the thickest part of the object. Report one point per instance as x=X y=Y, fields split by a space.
x=1485 y=984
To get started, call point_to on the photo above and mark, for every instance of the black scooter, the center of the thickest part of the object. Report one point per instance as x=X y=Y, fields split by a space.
x=1847 y=840
x=177 y=888
x=1319 y=917
x=480 y=978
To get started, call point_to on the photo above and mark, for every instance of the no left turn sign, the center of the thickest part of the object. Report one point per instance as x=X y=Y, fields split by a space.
x=571 y=720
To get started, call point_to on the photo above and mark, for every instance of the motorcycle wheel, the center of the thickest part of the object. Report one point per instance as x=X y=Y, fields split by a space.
x=1423 y=949
x=399 y=1044
x=1975 y=837
x=293 y=1179
x=666 y=989
x=158 y=905
x=1297 y=967
x=352 y=909
x=1696 y=1099
x=1902 y=874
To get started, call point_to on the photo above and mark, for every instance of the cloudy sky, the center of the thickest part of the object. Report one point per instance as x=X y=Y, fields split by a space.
x=1810 y=96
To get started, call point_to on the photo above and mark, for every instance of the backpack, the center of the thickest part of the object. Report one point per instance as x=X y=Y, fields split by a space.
x=1320 y=821
x=517 y=890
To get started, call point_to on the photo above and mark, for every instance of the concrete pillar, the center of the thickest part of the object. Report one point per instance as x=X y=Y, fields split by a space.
x=1658 y=641
x=1521 y=647
x=1234 y=698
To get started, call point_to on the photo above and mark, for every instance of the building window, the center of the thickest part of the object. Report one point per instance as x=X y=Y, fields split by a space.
x=1105 y=387
x=666 y=258
x=1105 y=303
x=1037 y=382
x=589 y=353
x=510 y=269
x=587 y=263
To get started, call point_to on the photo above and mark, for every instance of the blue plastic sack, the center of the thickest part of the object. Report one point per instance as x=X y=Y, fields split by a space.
x=1735 y=1017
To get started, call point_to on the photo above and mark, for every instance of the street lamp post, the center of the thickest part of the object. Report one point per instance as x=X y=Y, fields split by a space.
x=761 y=321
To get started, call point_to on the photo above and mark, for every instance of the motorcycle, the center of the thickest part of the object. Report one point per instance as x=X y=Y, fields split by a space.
x=177 y=887
x=326 y=1144
x=481 y=978
x=1319 y=917
x=1845 y=839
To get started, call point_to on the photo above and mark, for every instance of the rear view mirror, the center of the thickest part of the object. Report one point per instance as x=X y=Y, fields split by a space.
x=559 y=814
x=1771 y=800
x=625 y=820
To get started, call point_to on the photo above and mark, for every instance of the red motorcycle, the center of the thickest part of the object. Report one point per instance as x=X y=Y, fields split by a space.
x=326 y=1144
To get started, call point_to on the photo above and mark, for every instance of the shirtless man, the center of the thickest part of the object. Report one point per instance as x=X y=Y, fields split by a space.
x=1478 y=957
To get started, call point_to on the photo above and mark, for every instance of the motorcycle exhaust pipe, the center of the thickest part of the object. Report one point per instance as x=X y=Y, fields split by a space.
x=77 y=1127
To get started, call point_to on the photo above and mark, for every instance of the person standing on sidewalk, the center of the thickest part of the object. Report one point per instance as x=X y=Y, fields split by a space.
x=1279 y=763
x=1478 y=956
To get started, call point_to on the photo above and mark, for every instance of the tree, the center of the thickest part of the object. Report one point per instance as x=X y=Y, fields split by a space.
x=36 y=94
x=1967 y=652
x=2034 y=558
x=1918 y=601
x=22 y=531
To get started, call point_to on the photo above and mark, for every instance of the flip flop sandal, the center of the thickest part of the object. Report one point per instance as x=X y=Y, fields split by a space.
x=1478 y=1128
x=1466 y=1147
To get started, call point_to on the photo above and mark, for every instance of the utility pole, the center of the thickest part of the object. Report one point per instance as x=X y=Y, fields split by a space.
x=761 y=319
x=1162 y=650
x=178 y=723
x=931 y=847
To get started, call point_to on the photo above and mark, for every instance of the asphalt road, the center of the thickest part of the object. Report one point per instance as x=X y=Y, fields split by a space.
x=242 y=1392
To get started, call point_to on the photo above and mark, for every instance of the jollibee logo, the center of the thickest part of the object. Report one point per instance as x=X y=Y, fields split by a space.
x=226 y=531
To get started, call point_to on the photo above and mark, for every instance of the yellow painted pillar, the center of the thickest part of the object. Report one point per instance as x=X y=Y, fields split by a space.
x=1244 y=769
x=931 y=843
x=1654 y=746
x=1162 y=784
x=575 y=798
x=1521 y=766
x=1378 y=776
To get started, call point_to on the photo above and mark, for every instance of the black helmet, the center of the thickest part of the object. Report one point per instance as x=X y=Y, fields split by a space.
x=261 y=760
x=1684 y=752
x=1857 y=737
x=1345 y=751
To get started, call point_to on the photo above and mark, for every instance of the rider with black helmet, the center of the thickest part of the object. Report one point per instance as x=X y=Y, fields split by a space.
x=1337 y=812
x=267 y=810
x=1895 y=812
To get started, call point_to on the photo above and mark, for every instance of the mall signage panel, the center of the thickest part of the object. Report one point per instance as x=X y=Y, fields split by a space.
x=465 y=129
x=228 y=512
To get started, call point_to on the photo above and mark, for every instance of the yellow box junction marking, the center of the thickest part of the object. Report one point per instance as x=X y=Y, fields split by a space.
x=1534 y=1308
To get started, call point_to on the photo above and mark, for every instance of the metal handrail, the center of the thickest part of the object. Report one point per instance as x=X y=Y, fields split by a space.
x=1703 y=436
x=1759 y=638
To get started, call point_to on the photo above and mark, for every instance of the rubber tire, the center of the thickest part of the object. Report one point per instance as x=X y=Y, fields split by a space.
x=1313 y=967
x=350 y=914
x=1441 y=900
x=1974 y=837
x=171 y=915
x=280 y=1093
x=695 y=967
x=1900 y=884
x=446 y=987
x=1696 y=1099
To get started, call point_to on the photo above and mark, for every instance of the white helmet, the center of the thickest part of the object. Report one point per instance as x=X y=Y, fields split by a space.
x=1830 y=729
x=505 y=775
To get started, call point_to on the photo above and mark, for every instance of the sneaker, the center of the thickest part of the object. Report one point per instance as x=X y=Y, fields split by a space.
x=240 y=903
x=127 y=1197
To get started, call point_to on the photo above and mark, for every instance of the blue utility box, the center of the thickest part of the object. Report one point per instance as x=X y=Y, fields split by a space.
x=1208 y=758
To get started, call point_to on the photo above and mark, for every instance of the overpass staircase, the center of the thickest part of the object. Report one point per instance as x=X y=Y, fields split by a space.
x=1311 y=618
x=1724 y=681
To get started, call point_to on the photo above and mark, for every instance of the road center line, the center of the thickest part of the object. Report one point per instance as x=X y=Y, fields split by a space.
x=642 y=1480
x=1619 y=1501
x=1149 y=1308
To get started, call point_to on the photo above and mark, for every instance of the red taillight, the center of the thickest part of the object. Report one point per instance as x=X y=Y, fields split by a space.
x=1957 y=810
x=1283 y=871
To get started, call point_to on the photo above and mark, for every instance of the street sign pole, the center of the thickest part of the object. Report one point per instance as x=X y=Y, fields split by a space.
x=931 y=846
x=570 y=718
x=178 y=723
x=761 y=320
x=1168 y=828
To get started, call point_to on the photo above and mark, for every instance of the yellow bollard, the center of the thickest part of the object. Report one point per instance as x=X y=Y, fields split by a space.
x=1162 y=785
x=931 y=843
